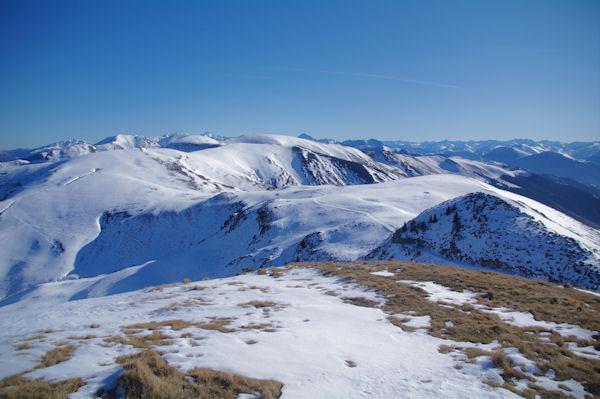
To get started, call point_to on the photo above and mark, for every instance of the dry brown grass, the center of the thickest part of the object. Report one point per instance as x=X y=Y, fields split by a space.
x=18 y=387
x=500 y=361
x=361 y=301
x=22 y=346
x=274 y=272
x=56 y=355
x=264 y=290
x=198 y=301
x=255 y=326
x=229 y=386
x=155 y=338
x=445 y=349
x=134 y=337
x=399 y=322
x=172 y=307
x=545 y=301
x=475 y=352
x=259 y=304
x=38 y=337
x=48 y=331
x=156 y=288
x=148 y=375
x=82 y=337
x=129 y=332
x=215 y=323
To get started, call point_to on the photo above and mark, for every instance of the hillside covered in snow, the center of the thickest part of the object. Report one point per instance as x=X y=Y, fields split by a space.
x=132 y=211
x=483 y=229
x=99 y=245
x=379 y=329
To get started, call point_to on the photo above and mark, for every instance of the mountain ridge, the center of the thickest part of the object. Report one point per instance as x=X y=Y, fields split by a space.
x=94 y=212
x=481 y=229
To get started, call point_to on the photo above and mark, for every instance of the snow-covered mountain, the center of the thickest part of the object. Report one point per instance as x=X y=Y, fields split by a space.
x=577 y=160
x=562 y=166
x=498 y=150
x=60 y=150
x=562 y=182
x=132 y=211
x=505 y=234
x=438 y=164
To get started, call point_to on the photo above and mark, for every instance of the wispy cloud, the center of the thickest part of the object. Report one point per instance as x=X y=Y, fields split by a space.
x=377 y=76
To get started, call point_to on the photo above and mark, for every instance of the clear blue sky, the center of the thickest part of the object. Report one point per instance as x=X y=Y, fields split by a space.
x=412 y=70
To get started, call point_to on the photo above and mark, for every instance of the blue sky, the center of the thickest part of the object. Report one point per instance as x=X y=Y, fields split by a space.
x=411 y=70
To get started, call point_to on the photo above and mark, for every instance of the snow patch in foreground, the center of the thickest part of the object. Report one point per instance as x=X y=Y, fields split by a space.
x=313 y=339
x=383 y=273
x=439 y=293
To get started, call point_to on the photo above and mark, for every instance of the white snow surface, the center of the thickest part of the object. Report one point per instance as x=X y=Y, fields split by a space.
x=383 y=273
x=43 y=228
x=316 y=339
x=439 y=293
x=249 y=201
x=415 y=165
x=526 y=319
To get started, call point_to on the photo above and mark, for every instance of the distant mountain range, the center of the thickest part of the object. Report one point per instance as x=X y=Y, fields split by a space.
x=508 y=149
x=131 y=211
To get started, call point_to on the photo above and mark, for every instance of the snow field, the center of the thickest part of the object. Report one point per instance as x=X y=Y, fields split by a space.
x=313 y=342
x=52 y=210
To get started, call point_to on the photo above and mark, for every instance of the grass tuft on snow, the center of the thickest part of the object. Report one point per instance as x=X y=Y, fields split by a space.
x=147 y=375
x=18 y=387
x=57 y=355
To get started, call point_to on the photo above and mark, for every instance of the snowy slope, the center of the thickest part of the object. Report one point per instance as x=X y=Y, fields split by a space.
x=482 y=149
x=267 y=162
x=437 y=164
x=221 y=235
x=43 y=226
x=562 y=166
x=60 y=150
x=139 y=213
x=319 y=334
x=181 y=142
x=51 y=209
x=314 y=343
x=503 y=233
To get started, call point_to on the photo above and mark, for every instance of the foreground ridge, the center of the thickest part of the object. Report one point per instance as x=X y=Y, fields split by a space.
x=323 y=329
